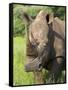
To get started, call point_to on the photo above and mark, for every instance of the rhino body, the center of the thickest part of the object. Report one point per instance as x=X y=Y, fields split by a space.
x=46 y=45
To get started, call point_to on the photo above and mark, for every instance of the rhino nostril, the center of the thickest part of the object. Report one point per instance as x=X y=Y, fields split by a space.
x=40 y=65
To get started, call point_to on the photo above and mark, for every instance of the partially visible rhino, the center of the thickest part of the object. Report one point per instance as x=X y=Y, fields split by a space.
x=45 y=44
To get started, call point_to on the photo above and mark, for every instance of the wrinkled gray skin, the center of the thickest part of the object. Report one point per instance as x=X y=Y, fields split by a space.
x=46 y=44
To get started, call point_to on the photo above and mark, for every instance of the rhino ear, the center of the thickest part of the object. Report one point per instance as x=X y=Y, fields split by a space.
x=26 y=18
x=49 y=18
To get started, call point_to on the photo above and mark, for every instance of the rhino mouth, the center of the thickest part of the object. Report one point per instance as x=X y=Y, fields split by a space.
x=38 y=63
x=35 y=65
x=29 y=68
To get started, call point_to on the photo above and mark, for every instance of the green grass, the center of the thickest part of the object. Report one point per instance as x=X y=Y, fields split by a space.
x=20 y=76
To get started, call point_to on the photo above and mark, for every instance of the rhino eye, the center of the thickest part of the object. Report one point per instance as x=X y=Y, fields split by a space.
x=34 y=44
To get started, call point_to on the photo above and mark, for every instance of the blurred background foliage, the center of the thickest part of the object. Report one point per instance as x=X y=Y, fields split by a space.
x=19 y=26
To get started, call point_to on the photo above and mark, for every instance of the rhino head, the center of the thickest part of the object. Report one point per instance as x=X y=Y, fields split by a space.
x=38 y=37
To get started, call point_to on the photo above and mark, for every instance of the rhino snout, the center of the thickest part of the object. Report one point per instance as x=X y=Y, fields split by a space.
x=33 y=66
